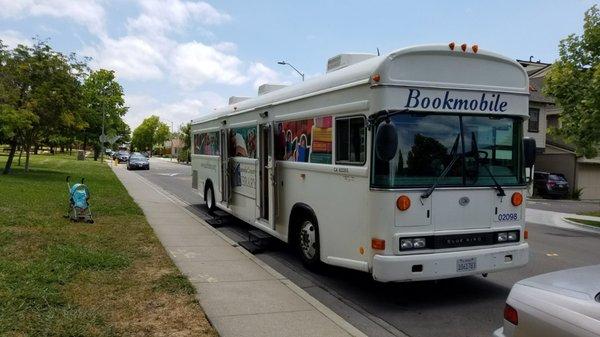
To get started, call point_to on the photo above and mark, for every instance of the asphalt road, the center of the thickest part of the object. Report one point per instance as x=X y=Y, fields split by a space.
x=468 y=306
x=565 y=206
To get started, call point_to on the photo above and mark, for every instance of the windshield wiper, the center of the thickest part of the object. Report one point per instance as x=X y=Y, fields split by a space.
x=455 y=157
x=499 y=188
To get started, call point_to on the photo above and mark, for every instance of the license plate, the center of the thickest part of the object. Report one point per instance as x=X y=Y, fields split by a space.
x=463 y=265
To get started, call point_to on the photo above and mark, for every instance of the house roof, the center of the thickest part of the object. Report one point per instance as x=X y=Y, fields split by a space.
x=535 y=91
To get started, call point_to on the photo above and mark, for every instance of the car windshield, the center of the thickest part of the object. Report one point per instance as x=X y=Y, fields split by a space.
x=487 y=146
x=137 y=158
x=556 y=177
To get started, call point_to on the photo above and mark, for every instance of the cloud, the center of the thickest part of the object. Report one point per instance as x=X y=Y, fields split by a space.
x=12 y=38
x=133 y=58
x=262 y=74
x=161 y=17
x=88 y=13
x=195 y=63
x=178 y=112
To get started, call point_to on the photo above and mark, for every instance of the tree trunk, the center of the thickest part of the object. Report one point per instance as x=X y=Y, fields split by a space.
x=20 y=155
x=27 y=153
x=36 y=148
x=11 y=155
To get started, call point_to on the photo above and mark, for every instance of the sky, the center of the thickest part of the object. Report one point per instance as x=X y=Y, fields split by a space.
x=179 y=59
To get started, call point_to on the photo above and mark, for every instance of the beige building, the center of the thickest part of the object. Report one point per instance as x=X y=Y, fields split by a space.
x=554 y=155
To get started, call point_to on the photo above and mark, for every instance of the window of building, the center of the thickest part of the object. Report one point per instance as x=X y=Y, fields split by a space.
x=350 y=136
x=534 y=120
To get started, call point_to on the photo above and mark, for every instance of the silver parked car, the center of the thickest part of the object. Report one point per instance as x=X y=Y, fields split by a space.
x=563 y=303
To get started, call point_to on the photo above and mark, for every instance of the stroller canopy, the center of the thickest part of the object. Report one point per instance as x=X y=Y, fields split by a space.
x=79 y=195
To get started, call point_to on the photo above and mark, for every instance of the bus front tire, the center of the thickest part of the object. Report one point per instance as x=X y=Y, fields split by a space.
x=307 y=242
x=209 y=199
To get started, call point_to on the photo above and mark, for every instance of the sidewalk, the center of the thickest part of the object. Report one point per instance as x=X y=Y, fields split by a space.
x=240 y=295
x=557 y=219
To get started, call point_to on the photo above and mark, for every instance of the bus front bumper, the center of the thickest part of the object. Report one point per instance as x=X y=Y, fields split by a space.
x=416 y=267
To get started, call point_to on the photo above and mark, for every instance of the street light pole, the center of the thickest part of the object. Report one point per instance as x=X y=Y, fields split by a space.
x=283 y=63
x=172 y=132
x=102 y=138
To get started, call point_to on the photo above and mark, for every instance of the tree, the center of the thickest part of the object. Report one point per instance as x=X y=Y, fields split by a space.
x=574 y=82
x=150 y=133
x=185 y=136
x=41 y=95
x=102 y=94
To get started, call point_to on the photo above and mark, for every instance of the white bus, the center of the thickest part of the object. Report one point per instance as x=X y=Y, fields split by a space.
x=408 y=166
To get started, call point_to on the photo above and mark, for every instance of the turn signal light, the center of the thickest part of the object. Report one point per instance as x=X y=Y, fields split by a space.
x=376 y=78
x=378 y=244
x=526 y=234
x=403 y=203
x=516 y=199
x=510 y=314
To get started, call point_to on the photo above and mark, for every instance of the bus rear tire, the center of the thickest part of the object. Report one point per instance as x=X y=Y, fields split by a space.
x=209 y=199
x=307 y=242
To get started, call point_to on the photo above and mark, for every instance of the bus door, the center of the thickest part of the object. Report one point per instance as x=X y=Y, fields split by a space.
x=225 y=185
x=266 y=176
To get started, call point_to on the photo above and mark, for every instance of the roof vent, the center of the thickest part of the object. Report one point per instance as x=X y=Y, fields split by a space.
x=344 y=60
x=267 y=88
x=237 y=99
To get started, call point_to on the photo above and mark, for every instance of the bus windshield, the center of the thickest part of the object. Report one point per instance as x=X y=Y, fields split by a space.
x=489 y=147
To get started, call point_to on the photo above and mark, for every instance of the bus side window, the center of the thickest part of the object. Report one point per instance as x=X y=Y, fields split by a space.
x=350 y=138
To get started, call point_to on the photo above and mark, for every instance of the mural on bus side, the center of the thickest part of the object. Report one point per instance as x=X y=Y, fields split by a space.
x=307 y=140
x=206 y=143
x=243 y=142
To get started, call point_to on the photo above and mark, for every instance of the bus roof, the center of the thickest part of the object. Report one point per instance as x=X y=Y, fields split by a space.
x=427 y=65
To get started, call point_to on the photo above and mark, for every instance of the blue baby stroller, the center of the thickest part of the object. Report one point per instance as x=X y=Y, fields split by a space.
x=79 y=208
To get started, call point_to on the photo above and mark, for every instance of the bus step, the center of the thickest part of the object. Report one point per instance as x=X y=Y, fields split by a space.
x=251 y=247
x=215 y=222
x=220 y=213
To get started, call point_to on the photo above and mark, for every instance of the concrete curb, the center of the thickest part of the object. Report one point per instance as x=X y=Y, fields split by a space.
x=335 y=318
x=597 y=229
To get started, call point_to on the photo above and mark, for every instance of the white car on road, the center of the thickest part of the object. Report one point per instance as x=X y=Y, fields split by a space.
x=563 y=303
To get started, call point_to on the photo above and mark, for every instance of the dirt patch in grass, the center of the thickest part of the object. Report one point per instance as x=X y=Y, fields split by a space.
x=59 y=278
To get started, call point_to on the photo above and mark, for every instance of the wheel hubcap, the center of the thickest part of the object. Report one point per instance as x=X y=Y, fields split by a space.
x=209 y=200
x=308 y=240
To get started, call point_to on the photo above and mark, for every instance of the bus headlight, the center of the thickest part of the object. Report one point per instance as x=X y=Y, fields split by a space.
x=412 y=243
x=511 y=236
x=502 y=237
x=419 y=243
x=406 y=244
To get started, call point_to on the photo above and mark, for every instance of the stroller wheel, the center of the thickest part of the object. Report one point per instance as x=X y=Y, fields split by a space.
x=90 y=221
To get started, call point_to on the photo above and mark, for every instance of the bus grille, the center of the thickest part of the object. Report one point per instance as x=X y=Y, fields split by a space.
x=462 y=240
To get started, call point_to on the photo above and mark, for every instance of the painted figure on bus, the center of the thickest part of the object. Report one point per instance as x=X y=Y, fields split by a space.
x=302 y=150
x=251 y=145
x=238 y=144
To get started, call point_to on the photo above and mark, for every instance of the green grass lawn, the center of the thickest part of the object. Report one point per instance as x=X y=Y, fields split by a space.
x=110 y=278
x=593 y=213
x=586 y=222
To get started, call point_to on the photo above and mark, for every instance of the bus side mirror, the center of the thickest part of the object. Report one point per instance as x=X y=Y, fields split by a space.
x=529 y=151
x=386 y=141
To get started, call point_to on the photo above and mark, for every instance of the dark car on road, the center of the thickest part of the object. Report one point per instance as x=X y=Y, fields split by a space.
x=552 y=185
x=122 y=156
x=137 y=161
